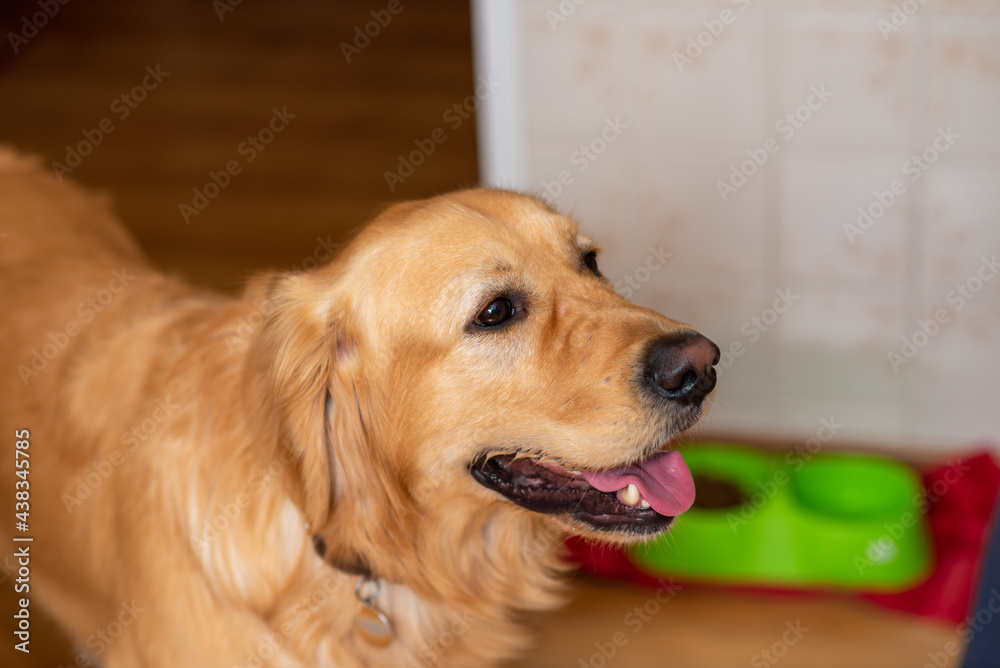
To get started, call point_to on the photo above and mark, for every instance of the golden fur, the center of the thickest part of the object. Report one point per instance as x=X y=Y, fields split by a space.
x=186 y=446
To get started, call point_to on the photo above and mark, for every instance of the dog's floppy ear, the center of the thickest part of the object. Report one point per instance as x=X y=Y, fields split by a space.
x=292 y=364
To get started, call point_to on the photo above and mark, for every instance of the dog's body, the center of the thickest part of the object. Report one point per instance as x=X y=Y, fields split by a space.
x=189 y=452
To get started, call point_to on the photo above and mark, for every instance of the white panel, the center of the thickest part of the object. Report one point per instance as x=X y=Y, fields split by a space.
x=784 y=224
x=497 y=49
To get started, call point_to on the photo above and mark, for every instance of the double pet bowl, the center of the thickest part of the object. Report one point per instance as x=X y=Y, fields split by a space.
x=796 y=519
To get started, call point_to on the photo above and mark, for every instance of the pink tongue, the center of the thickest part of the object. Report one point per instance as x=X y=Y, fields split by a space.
x=664 y=480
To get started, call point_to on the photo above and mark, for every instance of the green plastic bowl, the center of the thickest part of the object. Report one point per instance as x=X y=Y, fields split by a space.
x=801 y=520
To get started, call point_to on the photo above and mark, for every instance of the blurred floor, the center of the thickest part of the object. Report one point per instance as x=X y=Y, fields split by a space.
x=709 y=628
x=321 y=177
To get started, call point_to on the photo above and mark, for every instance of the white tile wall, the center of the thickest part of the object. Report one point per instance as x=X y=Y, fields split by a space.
x=871 y=79
x=822 y=237
x=963 y=226
x=688 y=103
x=889 y=95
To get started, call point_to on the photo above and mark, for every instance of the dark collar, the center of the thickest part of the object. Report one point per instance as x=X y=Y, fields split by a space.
x=356 y=566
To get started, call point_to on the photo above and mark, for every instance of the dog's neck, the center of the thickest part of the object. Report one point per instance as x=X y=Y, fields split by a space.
x=354 y=566
x=482 y=580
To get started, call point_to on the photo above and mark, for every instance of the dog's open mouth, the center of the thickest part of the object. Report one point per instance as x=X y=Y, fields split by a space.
x=640 y=498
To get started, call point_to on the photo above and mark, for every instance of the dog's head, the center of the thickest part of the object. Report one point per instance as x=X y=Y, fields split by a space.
x=464 y=359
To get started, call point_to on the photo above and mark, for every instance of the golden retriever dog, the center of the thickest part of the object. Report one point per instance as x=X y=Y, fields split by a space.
x=372 y=463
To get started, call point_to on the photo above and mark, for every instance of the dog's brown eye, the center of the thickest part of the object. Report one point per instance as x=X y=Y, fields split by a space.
x=590 y=259
x=496 y=312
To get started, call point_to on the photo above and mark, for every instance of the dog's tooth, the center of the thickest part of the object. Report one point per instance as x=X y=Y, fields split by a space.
x=643 y=503
x=630 y=495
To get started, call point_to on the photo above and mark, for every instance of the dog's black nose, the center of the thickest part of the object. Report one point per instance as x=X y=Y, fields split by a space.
x=680 y=367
